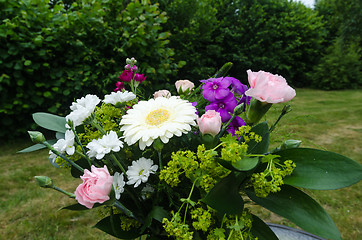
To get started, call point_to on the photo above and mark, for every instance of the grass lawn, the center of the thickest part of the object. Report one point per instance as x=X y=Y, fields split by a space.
x=325 y=120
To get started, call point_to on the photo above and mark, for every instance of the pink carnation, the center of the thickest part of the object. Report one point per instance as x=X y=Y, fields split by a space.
x=269 y=88
x=96 y=186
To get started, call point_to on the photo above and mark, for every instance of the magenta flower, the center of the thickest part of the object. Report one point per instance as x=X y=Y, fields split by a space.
x=235 y=124
x=119 y=86
x=224 y=106
x=126 y=76
x=216 y=89
x=139 y=77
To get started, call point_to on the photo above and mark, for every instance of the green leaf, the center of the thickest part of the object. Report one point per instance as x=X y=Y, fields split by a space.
x=36 y=147
x=301 y=209
x=50 y=121
x=158 y=213
x=261 y=230
x=224 y=70
x=262 y=130
x=106 y=226
x=245 y=164
x=323 y=170
x=225 y=196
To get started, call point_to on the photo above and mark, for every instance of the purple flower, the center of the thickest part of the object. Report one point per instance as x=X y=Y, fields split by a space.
x=223 y=106
x=126 y=76
x=235 y=124
x=139 y=77
x=216 y=89
x=119 y=86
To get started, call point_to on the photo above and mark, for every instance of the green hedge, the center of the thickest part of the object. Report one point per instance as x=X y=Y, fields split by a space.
x=279 y=36
x=51 y=55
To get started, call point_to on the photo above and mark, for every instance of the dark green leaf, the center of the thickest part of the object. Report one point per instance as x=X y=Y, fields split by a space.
x=50 y=121
x=323 y=170
x=301 y=209
x=225 y=196
x=262 y=130
x=106 y=226
x=261 y=230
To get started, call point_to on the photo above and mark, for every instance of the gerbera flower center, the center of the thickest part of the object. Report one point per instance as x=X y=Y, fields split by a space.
x=157 y=117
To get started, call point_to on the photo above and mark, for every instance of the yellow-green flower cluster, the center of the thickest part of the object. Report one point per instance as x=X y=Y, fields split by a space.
x=240 y=226
x=182 y=162
x=203 y=219
x=176 y=228
x=108 y=116
x=272 y=178
x=244 y=132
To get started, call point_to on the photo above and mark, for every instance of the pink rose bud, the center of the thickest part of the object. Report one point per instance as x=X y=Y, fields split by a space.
x=127 y=67
x=184 y=86
x=134 y=68
x=210 y=123
x=269 y=88
x=96 y=186
x=162 y=93
x=126 y=76
x=139 y=77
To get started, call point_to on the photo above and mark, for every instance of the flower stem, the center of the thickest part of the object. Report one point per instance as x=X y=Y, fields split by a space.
x=71 y=195
x=118 y=163
x=63 y=157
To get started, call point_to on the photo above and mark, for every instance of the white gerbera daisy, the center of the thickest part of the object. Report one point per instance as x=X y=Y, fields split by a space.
x=118 y=184
x=100 y=147
x=119 y=97
x=140 y=171
x=82 y=109
x=157 y=118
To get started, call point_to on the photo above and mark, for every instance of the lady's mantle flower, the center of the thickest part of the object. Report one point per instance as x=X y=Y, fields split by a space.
x=118 y=184
x=140 y=171
x=64 y=145
x=119 y=97
x=82 y=109
x=157 y=118
x=100 y=147
x=216 y=89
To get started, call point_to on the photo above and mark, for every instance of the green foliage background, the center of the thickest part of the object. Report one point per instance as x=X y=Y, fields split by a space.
x=50 y=56
x=52 y=53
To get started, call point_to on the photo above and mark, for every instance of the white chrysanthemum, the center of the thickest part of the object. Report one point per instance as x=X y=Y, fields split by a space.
x=140 y=171
x=119 y=97
x=65 y=145
x=82 y=109
x=118 y=184
x=100 y=147
x=157 y=118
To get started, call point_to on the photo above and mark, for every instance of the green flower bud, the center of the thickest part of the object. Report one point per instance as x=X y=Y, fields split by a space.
x=36 y=137
x=290 y=144
x=158 y=145
x=44 y=181
x=239 y=109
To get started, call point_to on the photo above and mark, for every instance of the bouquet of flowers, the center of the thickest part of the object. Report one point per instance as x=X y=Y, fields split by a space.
x=188 y=166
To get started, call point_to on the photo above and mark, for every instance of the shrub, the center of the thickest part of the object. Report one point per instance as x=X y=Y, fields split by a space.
x=340 y=68
x=52 y=54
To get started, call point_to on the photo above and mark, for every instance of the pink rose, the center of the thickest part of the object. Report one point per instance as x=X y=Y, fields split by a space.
x=162 y=93
x=210 y=123
x=269 y=88
x=184 y=85
x=126 y=76
x=96 y=186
